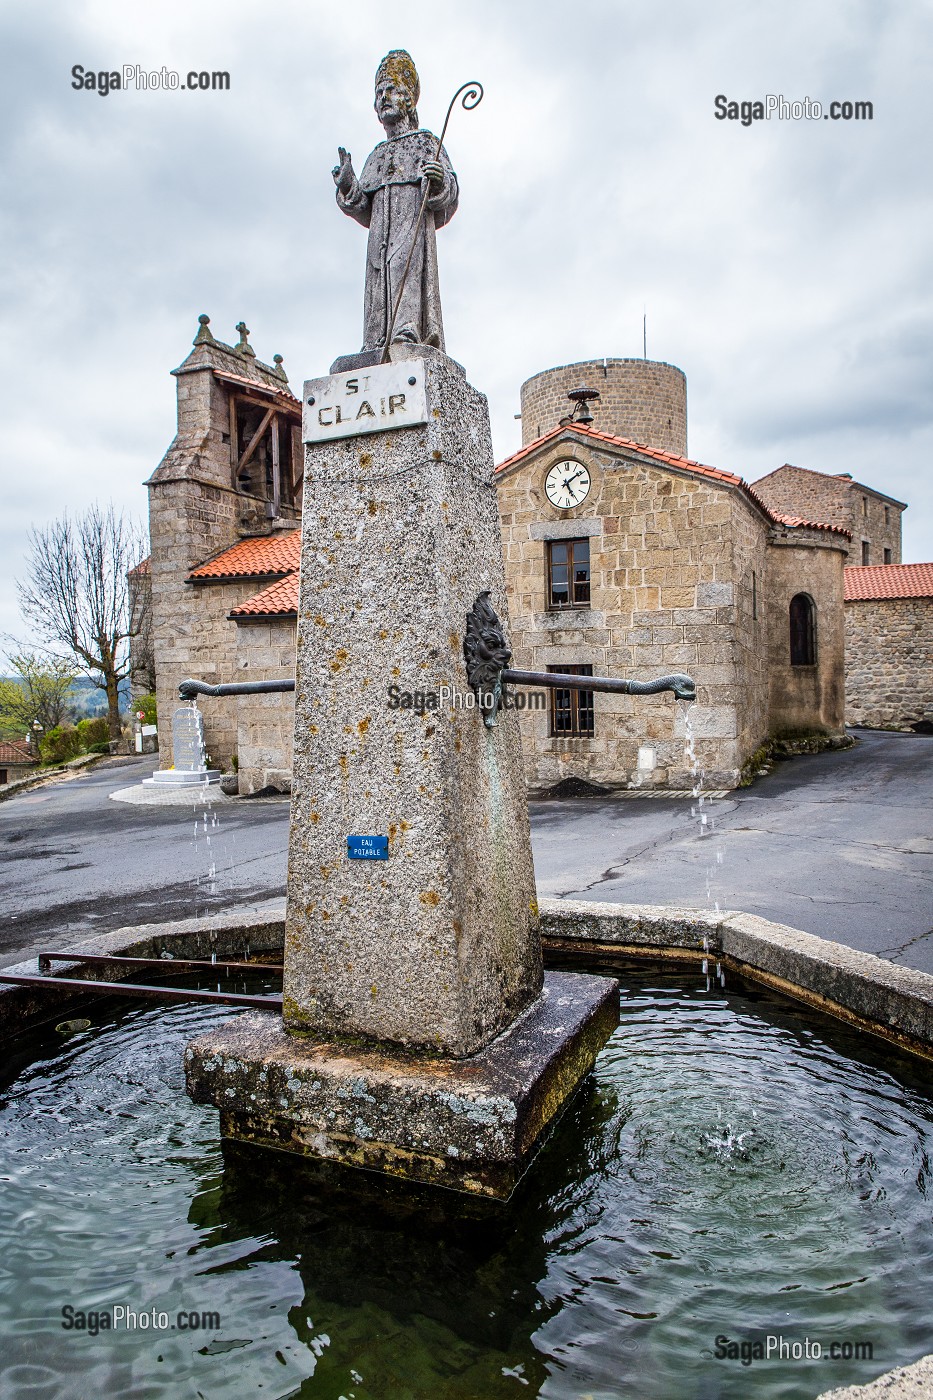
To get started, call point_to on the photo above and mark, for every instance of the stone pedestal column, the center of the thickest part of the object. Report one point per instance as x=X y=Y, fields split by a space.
x=419 y=1036
x=435 y=947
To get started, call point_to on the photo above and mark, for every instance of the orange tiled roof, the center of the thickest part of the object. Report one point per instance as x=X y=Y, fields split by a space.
x=15 y=753
x=865 y=581
x=799 y=522
x=282 y=391
x=259 y=557
x=280 y=599
x=143 y=567
x=671 y=459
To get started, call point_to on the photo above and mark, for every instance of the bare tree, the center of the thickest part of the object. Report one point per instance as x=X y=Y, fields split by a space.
x=76 y=594
x=40 y=689
x=142 y=645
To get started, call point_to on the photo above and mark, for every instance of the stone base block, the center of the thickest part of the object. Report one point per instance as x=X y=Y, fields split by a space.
x=471 y=1124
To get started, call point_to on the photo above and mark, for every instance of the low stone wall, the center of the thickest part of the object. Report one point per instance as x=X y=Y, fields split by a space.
x=240 y=934
x=906 y=1383
x=895 y=1003
x=889 y=662
x=877 y=996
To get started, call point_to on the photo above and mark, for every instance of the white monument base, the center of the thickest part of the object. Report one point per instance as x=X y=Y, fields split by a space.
x=182 y=777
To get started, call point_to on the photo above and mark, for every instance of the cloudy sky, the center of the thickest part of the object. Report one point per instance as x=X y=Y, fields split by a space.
x=784 y=266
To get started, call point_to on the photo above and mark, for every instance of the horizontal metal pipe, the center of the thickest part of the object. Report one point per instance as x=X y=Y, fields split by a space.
x=167 y=964
x=189 y=689
x=682 y=686
x=134 y=989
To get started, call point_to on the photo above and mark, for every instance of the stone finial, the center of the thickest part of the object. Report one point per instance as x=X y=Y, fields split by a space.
x=204 y=336
x=243 y=346
x=279 y=367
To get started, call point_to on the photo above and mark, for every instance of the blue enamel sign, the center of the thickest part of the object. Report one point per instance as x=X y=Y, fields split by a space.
x=368 y=847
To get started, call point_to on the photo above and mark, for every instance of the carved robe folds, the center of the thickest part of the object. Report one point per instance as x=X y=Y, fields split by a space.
x=386 y=199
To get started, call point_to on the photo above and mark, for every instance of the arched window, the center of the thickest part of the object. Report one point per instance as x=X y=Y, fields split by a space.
x=802 y=630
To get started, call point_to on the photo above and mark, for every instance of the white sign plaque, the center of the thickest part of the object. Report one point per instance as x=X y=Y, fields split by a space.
x=372 y=400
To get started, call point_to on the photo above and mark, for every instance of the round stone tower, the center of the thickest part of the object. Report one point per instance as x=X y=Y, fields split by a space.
x=644 y=400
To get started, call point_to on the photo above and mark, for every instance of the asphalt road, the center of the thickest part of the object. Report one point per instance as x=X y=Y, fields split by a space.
x=840 y=844
x=72 y=861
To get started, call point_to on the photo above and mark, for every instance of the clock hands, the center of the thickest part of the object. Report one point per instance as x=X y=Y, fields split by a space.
x=561 y=486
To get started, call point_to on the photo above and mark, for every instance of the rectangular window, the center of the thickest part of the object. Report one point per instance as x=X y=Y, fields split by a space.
x=864 y=505
x=572 y=715
x=754 y=596
x=865 y=551
x=887 y=515
x=568 y=573
x=887 y=556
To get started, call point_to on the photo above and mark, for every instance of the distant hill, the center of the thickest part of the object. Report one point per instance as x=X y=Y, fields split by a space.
x=87 y=702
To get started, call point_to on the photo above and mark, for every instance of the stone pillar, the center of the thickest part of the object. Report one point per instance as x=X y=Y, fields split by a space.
x=437 y=945
x=418 y=1036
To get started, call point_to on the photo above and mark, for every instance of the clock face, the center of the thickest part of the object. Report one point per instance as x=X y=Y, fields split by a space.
x=567 y=484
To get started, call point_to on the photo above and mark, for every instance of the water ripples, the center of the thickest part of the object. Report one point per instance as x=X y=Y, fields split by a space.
x=734 y=1167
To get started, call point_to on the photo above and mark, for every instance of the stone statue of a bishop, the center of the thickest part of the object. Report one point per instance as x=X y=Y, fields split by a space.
x=386 y=199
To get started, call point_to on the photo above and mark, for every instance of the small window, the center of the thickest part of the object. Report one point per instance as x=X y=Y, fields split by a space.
x=572 y=715
x=754 y=596
x=866 y=551
x=887 y=515
x=802 y=630
x=568 y=572
x=865 y=505
x=3 y=777
x=887 y=556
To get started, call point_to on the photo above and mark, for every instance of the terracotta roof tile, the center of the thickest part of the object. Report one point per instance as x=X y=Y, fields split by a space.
x=279 y=392
x=672 y=459
x=13 y=752
x=261 y=556
x=143 y=567
x=798 y=522
x=280 y=599
x=865 y=581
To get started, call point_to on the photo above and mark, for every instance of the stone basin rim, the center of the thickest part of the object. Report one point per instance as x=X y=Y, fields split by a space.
x=878 y=997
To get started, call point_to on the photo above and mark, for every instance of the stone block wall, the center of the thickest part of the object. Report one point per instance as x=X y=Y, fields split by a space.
x=750 y=530
x=871 y=517
x=889 y=662
x=876 y=523
x=265 y=651
x=806 y=699
x=188 y=522
x=643 y=400
x=664 y=599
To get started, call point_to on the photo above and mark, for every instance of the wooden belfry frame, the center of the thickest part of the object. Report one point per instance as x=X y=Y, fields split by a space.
x=285 y=423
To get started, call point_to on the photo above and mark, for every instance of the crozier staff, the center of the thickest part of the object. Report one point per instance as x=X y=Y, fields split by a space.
x=387 y=199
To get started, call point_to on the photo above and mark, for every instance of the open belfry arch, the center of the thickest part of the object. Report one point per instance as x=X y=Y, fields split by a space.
x=265 y=439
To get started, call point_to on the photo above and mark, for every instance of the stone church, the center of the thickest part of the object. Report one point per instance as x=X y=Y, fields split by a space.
x=624 y=557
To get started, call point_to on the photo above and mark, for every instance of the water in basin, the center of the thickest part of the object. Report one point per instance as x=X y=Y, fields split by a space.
x=734 y=1168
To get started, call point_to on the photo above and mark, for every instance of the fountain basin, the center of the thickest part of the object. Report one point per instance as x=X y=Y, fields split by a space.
x=736 y=1166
